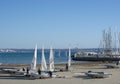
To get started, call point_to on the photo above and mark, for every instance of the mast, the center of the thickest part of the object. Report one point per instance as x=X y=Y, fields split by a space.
x=119 y=42
x=115 y=47
x=107 y=42
x=104 y=41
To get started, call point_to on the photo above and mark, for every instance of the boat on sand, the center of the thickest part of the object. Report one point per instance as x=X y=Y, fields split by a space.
x=97 y=74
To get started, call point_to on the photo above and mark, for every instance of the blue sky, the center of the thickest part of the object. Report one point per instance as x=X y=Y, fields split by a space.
x=60 y=23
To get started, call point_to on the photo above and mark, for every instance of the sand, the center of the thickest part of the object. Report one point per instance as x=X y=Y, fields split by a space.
x=71 y=77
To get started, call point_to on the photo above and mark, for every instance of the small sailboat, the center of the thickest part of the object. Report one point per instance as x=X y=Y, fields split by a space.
x=69 y=60
x=97 y=74
x=43 y=62
x=34 y=61
x=44 y=74
x=51 y=60
x=111 y=65
x=32 y=66
x=32 y=70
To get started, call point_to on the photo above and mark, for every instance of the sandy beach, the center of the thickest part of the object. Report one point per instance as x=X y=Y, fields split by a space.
x=71 y=77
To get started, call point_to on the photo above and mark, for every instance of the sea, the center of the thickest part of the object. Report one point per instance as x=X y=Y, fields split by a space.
x=25 y=56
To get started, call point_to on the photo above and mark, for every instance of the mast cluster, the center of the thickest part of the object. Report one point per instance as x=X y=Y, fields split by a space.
x=111 y=42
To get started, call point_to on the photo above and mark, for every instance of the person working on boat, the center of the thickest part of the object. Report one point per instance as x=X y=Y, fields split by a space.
x=39 y=71
x=50 y=74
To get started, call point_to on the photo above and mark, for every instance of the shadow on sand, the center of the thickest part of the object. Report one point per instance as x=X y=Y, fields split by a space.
x=95 y=68
x=85 y=77
x=16 y=78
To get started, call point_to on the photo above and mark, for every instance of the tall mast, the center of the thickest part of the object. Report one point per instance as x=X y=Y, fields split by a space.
x=119 y=42
x=104 y=41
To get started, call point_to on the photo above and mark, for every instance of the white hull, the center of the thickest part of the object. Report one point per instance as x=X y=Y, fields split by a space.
x=98 y=74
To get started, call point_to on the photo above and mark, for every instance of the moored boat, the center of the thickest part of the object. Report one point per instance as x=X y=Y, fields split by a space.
x=92 y=56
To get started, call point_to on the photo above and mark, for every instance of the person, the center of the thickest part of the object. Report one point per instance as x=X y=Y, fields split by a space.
x=27 y=74
x=23 y=69
x=39 y=71
x=27 y=70
x=117 y=63
x=50 y=73
x=66 y=67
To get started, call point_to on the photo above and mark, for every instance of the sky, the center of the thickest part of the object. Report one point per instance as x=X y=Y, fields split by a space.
x=56 y=23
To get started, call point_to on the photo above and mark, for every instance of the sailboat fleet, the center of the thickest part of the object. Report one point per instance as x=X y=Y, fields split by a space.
x=44 y=69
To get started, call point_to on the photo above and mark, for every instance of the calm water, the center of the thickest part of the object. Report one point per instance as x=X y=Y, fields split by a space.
x=26 y=57
x=60 y=56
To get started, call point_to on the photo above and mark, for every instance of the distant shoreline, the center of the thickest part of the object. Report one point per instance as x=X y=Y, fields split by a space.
x=12 y=50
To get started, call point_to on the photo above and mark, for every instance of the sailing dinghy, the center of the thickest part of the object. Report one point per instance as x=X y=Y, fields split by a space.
x=97 y=74
x=51 y=61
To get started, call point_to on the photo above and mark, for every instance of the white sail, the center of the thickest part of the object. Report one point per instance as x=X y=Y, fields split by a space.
x=69 y=59
x=33 y=64
x=43 y=62
x=51 y=60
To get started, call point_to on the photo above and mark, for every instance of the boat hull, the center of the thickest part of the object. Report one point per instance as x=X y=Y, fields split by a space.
x=95 y=59
x=98 y=74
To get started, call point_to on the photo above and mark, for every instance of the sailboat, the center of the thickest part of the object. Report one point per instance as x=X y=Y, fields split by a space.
x=33 y=64
x=44 y=74
x=97 y=74
x=32 y=71
x=51 y=60
x=69 y=59
x=43 y=62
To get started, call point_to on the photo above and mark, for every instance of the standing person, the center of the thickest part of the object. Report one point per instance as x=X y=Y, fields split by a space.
x=39 y=71
x=66 y=67
x=23 y=69
x=50 y=73
x=27 y=71
x=117 y=63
